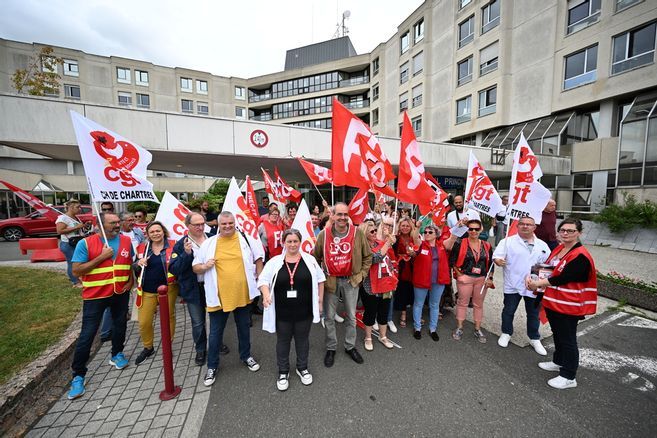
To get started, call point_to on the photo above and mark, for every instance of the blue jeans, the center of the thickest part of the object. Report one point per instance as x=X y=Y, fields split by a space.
x=392 y=307
x=434 y=302
x=218 y=321
x=92 y=314
x=197 y=315
x=106 y=325
x=68 y=250
x=511 y=302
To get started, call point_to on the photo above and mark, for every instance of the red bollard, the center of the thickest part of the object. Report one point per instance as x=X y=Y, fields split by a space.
x=170 y=389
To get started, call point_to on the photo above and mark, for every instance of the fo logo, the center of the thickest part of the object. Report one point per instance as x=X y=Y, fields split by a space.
x=120 y=158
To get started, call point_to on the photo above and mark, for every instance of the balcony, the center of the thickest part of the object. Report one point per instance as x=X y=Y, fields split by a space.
x=259 y=97
x=261 y=118
x=365 y=103
x=358 y=80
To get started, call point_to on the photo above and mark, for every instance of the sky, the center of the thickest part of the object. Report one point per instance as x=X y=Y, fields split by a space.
x=228 y=38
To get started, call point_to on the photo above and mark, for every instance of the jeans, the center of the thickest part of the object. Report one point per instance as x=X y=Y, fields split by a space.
x=350 y=294
x=391 y=309
x=285 y=331
x=68 y=250
x=197 y=315
x=106 y=325
x=92 y=313
x=435 y=292
x=564 y=334
x=511 y=302
x=218 y=321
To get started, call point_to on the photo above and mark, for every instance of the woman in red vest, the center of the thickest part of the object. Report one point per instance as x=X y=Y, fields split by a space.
x=407 y=240
x=270 y=232
x=471 y=259
x=571 y=292
x=154 y=259
x=430 y=275
x=379 y=284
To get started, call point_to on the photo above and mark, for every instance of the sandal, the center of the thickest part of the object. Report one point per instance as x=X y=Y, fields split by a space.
x=402 y=323
x=368 y=344
x=386 y=342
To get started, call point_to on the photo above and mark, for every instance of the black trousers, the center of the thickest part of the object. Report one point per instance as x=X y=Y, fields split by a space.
x=376 y=309
x=564 y=333
x=285 y=331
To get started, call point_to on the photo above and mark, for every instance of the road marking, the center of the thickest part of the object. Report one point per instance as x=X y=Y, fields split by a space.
x=611 y=362
x=631 y=378
x=591 y=327
x=637 y=321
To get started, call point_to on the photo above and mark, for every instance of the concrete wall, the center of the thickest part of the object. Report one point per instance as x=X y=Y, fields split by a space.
x=595 y=155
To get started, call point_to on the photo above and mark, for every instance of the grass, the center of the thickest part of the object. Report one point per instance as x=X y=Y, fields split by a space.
x=36 y=307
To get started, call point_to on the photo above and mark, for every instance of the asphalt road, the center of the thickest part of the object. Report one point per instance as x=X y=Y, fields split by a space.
x=447 y=388
x=9 y=251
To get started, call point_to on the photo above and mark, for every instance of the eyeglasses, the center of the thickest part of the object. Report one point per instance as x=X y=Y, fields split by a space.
x=567 y=231
x=428 y=232
x=474 y=229
x=197 y=225
x=526 y=225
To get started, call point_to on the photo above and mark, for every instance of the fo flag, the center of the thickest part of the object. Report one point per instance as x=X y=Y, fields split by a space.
x=271 y=187
x=115 y=167
x=379 y=168
x=412 y=186
x=317 y=174
x=172 y=215
x=286 y=191
x=348 y=166
x=359 y=207
x=439 y=206
x=235 y=203
x=34 y=202
x=304 y=225
x=527 y=196
x=480 y=194
x=250 y=198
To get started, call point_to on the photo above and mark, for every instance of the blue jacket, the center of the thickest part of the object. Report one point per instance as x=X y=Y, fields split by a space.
x=181 y=266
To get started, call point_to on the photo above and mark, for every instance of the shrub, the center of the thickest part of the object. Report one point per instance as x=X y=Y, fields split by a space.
x=624 y=280
x=623 y=218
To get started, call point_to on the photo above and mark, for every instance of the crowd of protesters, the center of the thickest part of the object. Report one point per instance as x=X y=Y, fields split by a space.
x=392 y=264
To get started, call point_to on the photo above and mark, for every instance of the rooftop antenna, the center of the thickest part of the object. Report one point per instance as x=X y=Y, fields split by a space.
x=342 y=30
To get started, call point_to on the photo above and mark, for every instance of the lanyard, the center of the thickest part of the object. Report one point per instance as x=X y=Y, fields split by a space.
x=292 y=272
x=476 y=254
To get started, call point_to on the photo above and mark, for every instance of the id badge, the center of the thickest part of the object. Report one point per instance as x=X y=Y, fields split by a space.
x=476 y=270
x=292 y=294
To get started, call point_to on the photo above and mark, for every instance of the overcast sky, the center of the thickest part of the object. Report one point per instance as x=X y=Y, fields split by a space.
x=225 y=37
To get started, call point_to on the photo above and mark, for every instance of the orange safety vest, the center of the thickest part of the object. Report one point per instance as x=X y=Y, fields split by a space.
x=274 y=233
x=170 y=277
x=577 y=299
x=110 y=276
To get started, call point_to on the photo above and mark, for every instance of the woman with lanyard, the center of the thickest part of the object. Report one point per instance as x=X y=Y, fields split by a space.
x=153 y=259
x=471 y=259
x=571 y=292
x=70 y=229
x=292 y=287
x=407 y=240
x=379 y=284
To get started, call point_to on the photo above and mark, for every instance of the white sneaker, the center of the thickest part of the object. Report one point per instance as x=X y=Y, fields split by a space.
x=392 y=326
x=210 y=377
x=549 y=366
x=283 y=382
x=338 y=318
x=376 y=326
x=538 y=347
x=562 y=383
x=252 y=364
x=503 y=340
x=305 y=376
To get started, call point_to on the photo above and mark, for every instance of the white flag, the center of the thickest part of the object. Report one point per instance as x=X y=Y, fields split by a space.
x=115 y=167
x=480 y=194
x=236 y=204
x=304 y=225
x=172 y=215
x=527 y=196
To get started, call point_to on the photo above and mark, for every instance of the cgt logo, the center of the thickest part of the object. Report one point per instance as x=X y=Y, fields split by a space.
x=180 y=212
x=120 y=158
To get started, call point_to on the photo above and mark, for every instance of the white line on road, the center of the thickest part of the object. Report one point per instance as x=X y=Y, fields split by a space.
x=588 y=329
x=637 y=321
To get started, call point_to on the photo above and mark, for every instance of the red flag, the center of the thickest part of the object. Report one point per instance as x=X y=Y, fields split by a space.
x=440 y=205
x=287 y=192
x=251 y=202
x=379 y=168
x=513 y=228
x=412 y=186
x=318 y=175
x=271 y=187
x=34 y=202
x=348 y=167
x=359 y=207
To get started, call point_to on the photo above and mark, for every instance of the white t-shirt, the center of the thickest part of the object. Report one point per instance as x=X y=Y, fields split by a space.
x=520 y=257
x=70 y=223
x=133 y=239
x=452 y=217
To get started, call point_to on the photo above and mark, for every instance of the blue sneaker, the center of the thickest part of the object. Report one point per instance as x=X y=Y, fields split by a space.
x=119 y=361
x=77 y=388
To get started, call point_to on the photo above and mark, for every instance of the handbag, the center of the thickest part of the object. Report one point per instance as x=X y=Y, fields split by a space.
x=73 y=241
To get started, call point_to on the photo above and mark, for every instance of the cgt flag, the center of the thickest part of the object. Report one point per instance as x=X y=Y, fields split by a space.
x=34 y=202
x=115 y=167
x=304 y=225
x=527 y=196
x=251 y=201
x=480 y=194
x=172 y=214
x=236 y=204
x=317 y=174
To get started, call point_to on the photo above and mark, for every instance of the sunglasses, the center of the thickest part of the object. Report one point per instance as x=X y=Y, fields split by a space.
x=428 y=232
x=372 y=231
x=105 y=209
x=474 y=229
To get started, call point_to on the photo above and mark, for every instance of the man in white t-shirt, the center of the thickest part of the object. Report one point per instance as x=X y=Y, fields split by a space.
x=517 y=254
x=128 y=229
x=461 y=214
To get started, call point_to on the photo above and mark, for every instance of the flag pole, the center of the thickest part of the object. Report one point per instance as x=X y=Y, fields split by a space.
x=394 y=217
x=320 y=193
x=332 y=195
x=96 y=206
x=491 y=262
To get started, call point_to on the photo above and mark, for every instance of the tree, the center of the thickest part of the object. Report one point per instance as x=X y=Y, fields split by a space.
x=40 y=77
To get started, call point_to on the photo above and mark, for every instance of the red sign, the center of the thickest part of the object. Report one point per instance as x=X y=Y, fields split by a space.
x=259 y=138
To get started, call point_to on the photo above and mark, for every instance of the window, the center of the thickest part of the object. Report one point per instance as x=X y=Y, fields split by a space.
x=404 y=43
x=464 y=3
x=581 y=14
x=417 y=125
x=141 y=77
x=416 y=94
x=633 y=49
x=464 y=71
x=48 y=64
x=240 y=93
x=240 y=113
x=403 y=101
x=187 y=106
x=403 y=73
x=202 y=87
x=125 y=99
x=143 y=101
x=123 y=75
x=72 y=91
x=375 y=66
x=490 y=16
x=375 y=92
x=623 y=4
x=466 y=31
x=463 y=109
x=418 y=31
x=418 y=63
x=186 y=85
x=487 y=101
x=580 y=67
x=202 y=108
x=488 y=58
x=375 y=116
x=71 y=68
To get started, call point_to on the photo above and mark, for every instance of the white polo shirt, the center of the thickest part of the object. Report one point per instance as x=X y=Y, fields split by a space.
x=520 y=257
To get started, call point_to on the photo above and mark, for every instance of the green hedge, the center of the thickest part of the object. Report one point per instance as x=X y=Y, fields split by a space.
x=632 y=214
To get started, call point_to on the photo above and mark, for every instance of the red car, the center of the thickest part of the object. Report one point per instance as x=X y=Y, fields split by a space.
x=35 y=224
